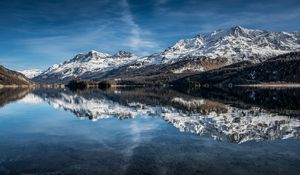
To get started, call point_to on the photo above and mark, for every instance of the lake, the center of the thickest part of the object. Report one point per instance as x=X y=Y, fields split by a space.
x=150 y=131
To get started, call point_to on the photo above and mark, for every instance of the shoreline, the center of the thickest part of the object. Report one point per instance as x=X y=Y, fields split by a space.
x=16 y=86
x=261 y=85
x=275 y=85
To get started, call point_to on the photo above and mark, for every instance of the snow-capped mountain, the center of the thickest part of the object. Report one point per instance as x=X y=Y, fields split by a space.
x=82 y=65
x=31 y=73
x=236 y=44
x=202 y=53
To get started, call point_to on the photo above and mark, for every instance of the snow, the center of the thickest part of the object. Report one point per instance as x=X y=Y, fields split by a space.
x=95 y=61
x=188 y=68
x=236 y=44
x=31 y=73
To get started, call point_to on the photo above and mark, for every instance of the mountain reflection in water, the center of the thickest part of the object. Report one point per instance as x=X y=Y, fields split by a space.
x=235 y=115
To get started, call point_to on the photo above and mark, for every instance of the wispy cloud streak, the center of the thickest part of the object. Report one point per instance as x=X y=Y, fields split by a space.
x=136 y=41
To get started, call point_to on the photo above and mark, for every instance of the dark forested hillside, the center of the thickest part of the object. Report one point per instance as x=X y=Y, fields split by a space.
x=284 y=68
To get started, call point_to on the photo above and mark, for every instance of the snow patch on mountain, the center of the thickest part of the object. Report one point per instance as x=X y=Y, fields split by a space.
x=94 y=61
x=31 y=73
x=188 y=68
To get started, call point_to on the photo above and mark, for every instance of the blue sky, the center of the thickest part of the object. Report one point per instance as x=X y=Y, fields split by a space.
x=39 y=33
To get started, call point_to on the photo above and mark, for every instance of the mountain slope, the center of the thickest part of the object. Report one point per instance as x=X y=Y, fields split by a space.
x=202 y=53
x=9 y=77
x=282 y=68
x=13 y=78
x=237 y=44
x=84 y=65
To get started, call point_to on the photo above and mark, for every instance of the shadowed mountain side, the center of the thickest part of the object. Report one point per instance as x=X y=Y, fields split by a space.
x=139 y=74
x=188 y=65
x=283 y=68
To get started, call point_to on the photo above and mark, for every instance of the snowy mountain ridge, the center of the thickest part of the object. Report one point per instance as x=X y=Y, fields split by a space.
x=93 y=61
x=234 y=45
x=237 y=44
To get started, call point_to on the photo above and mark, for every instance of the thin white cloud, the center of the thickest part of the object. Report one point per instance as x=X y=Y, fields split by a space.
x=161 y=2
x=136 y=41
x=96 y=35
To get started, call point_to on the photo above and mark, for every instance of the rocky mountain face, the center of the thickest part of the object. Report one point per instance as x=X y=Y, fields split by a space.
x=13 y=78
x=282 y=68
x=202 y=53
x=31 y=73
x=158 y=74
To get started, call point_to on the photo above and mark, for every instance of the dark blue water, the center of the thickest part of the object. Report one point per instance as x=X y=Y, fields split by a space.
x=117 y=132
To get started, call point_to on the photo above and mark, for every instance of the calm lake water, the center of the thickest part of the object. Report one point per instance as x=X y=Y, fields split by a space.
x=150 y=131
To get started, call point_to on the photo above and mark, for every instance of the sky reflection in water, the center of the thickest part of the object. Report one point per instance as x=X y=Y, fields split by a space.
x=37 y=138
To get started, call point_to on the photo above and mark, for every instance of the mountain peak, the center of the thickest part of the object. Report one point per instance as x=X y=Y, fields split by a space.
x=122 y=53
x=232 y=31
x=239 y=28
x=88 y=56
x=94 y=53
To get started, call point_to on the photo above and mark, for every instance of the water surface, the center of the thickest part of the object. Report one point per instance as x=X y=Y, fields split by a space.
x=150 y=131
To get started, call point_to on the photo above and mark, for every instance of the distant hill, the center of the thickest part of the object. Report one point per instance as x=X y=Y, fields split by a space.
x=13 y=78
x=283 y=68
